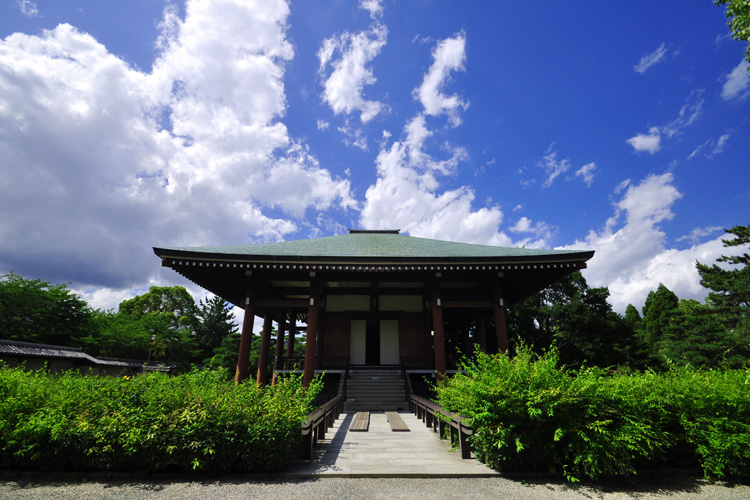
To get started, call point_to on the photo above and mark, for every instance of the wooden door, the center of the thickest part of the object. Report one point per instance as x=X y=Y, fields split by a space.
x=389 y=353
x=357 y=342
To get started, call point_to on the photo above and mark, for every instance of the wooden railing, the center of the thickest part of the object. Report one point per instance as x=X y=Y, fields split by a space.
x=317 y=423
x=434 y=416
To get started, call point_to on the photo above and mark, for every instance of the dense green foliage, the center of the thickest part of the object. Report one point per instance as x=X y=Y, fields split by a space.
x=529 y=413
x=738 y=12
x=151 y=422
x=730 y=284
x=36 y=311
x=184 y=333
x=576 y=318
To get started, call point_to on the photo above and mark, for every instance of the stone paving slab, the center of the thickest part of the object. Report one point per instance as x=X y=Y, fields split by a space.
x=380 y=452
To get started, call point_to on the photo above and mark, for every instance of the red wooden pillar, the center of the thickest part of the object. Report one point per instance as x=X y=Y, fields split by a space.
x=498 y=308
x=312 y=336
x=246 y=339
x=437 y=327
x=265 y=341
x=279 y=348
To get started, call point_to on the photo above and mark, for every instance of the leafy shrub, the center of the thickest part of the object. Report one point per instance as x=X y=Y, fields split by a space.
x=528 y=413
x=150 y=422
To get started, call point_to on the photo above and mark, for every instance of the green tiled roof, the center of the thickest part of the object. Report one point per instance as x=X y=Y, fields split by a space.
x=374 y=245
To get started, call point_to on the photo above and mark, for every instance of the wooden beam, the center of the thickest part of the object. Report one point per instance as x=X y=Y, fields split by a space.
x=281 y=303
x=468 y=304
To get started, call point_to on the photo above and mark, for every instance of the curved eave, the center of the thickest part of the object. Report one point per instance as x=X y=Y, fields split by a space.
x=559 y=256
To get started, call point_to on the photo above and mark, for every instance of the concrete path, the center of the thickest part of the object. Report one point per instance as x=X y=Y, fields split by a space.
x=381 y=452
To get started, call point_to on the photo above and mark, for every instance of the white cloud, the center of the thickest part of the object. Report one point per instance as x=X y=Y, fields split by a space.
x=540 y=230
x=449 y=55
x=553 y=167
x=323 y=125
x=650 y=59
x=407 y=193
x=28 y=8
x=717 y=146
x=689 y=113
x=650 y=143
x=523 y=225
x=187 y=154
x=373 y=7
x=721 y=144
x=343 y=86
x=586 y=172
x=631 y=255
x=737 y=83
x=353 y=136
x=407 y=200
x=698 y=233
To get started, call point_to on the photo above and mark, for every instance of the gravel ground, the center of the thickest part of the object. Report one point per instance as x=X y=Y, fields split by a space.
x=364 y=488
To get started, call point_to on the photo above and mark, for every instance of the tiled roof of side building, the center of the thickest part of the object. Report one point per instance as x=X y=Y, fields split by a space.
x=374 y=244
x=31 y=350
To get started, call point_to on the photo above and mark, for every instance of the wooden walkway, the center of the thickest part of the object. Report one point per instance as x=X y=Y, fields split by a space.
x=381 y=452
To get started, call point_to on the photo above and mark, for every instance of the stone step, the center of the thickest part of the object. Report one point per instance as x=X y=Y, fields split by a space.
x=375 y=390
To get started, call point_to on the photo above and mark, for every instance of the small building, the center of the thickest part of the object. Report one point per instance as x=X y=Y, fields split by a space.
x=56 y=359
x=372 y=298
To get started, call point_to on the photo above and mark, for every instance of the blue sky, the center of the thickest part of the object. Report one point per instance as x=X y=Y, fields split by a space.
x=617 y=126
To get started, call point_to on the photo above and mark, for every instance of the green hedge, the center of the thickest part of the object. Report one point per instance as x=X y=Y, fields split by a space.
x=150 y=422
x=528 y=413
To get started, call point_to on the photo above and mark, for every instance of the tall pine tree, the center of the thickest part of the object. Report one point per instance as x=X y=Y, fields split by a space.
x=730 y=283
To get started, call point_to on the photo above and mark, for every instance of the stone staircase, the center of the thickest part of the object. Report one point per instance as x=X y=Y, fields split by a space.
x=375 y=390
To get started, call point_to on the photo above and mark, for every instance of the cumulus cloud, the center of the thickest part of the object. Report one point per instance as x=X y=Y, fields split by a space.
x=345 y=76
x=650 y=59
x=541 y=232
x=650 y=143
x=632 y=256
x=448 y=56
x=407 y=193
x=737 y=83
x=185 y=154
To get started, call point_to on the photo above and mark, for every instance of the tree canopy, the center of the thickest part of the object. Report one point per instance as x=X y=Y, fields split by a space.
x=33 y=310
x=183 y=334
x=738 y=12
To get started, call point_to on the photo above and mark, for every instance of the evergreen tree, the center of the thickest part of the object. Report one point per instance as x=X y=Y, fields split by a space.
x=695 y=336
x=730 y=283
x=577 y=319
x=660 y=306
x=216 y=323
